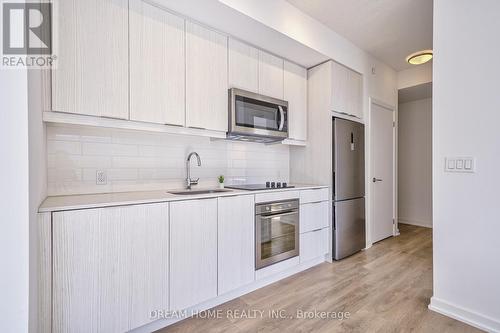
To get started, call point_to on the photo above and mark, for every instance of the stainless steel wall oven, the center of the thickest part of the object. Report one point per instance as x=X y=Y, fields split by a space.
x=276 y=232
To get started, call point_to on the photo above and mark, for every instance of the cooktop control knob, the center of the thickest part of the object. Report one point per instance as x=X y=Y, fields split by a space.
x=268 y=184
x=278 y=185
x=284 y=185
x=273 y=185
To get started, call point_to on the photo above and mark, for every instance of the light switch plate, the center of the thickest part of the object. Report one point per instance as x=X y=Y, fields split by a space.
x=460 y=164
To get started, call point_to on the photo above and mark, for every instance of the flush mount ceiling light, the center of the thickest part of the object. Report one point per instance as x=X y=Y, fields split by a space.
x=420 y=57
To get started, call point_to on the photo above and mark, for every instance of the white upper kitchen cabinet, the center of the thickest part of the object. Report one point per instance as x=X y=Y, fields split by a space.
x=236 y=239
x=91 y=71
x=243 y=66
x=295 y=92
x=206 y=78
x=340 y=88
x=347 y=91
x=110 y=267
x=270 y=75
x=157 y=65
x=355 y=106
x=193 y=252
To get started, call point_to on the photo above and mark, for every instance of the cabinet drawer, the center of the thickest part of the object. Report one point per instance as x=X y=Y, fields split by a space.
x=276 y=196
x=314 y=195
x=313 y=216
x=313 y=244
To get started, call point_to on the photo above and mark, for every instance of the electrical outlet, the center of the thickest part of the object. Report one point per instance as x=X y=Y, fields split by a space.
x=101 y=177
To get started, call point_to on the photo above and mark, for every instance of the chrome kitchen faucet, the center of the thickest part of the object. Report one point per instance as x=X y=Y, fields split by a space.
x=190 y=181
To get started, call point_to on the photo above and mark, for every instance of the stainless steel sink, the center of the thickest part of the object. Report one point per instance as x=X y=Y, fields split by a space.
x=194 y=192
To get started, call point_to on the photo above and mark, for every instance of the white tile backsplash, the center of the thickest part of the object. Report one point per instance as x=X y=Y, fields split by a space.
x=152 y=161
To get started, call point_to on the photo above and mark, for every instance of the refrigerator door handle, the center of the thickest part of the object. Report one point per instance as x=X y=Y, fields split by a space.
x=333 y=186
x=376 y=180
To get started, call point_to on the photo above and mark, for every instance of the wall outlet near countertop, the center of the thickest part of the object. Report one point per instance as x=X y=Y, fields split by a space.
x=101 y=177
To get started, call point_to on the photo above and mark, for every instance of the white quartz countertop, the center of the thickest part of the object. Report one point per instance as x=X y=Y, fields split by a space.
x=87 y=201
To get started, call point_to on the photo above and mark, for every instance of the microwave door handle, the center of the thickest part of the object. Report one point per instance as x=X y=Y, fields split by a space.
x=282 y=117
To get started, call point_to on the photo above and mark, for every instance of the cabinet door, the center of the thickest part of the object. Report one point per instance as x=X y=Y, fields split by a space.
x=236 y=239
x=91 y=75
x=243 y=66
x=295 y=92
x=313 y=216
x=157 y=65
x=313 y=244
x=340 y=88
x=355 y=99
x=206 y=78
x=193 y=252
x=270 y=75
x=110 y=267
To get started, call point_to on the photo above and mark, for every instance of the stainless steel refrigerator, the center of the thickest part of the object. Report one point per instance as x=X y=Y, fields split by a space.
x=348 y=188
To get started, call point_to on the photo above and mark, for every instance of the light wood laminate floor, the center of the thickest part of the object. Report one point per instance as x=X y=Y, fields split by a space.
x=385 y=289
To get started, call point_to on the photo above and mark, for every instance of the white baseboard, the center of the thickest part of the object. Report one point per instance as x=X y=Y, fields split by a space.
x=257 y=284
x=467 y=316
x=418 y=223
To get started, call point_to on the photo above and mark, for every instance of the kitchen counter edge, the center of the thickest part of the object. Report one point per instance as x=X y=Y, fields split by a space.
x=102 y=200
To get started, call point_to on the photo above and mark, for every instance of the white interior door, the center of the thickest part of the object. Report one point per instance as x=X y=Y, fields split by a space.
x=382 y=166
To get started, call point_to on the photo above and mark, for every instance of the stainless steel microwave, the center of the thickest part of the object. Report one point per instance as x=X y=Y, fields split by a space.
x=254 y=117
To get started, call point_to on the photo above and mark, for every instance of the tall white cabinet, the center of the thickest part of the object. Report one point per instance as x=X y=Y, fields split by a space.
x=236 y=241
x=157 y=65
x=193 y=260
x=295 y=92
x=91 y=74
x=206 y=78
x=110 y=267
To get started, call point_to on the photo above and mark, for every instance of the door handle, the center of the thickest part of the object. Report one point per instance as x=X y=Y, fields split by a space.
x=376 y=180
x=271 y=215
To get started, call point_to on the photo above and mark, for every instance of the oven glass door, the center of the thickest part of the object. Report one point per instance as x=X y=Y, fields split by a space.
x=252 y=113
x=277 y=237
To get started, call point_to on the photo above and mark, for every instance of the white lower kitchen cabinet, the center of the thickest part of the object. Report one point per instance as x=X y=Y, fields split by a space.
x=193 y=249
x=236 y=240
x=110 y=267
x=313 y=244
x=313 y=216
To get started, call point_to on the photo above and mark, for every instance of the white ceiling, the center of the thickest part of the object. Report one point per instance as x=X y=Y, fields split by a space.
x=390 y=30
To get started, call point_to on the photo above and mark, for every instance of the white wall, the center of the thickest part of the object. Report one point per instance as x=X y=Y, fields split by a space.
x=14 y=201
x=415 y=163
x=415 y=76
x=466 y=118
x=152 y=161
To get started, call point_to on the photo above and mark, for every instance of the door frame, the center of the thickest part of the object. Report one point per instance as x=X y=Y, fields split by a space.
x=369 y=166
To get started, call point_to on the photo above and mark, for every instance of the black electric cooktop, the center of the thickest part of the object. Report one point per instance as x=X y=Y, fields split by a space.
x=259 y=187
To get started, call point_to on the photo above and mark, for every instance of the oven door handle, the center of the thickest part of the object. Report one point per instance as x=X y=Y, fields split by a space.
x=282 y=117
x=270 y=216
